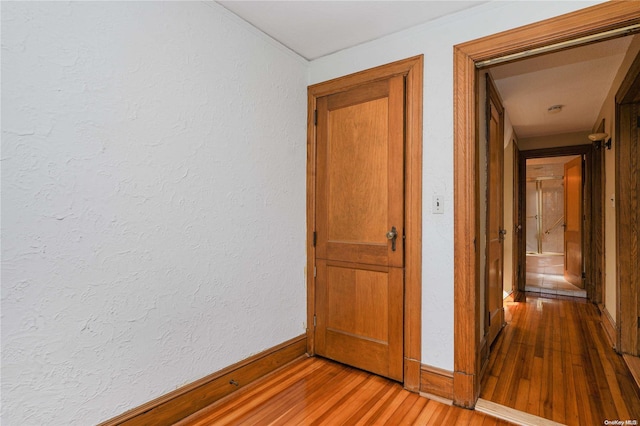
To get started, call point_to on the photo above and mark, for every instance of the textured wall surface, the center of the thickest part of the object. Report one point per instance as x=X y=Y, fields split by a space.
x=153 y=202
x=436 y=40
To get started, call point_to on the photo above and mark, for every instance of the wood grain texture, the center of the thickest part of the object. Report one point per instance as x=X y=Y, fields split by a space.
x=360 y=196
x=511 y=415
x=633 y=363
x=191 y=398
x=595 y=285
x=315 y=391
x=436 y=381
x=627 y=227
x=494 y=264
x=411 y=70
x=573 y=219
x=609 y=326
x=413 y=224
x=359 y=316
x=553 y=360
x=581 y=23
x=588 y=21
x=465 y=228
x=519 y=270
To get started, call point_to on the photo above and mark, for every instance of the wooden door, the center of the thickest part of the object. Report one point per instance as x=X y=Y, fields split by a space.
x=573 y=222
x=360 y=227
x=519 y=248
x=495 y=212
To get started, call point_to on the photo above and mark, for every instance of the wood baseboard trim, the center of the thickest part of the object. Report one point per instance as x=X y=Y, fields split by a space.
x=182 y=402
x=633 y=364
x=511 y=415
x=609 y=325
x=436 y=381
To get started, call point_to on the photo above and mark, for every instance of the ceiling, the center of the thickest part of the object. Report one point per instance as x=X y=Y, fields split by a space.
x=578 y=79
x=314 y=29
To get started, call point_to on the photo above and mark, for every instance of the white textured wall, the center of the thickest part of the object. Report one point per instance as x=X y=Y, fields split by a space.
x=554 y=141
x=153 y=202
x=510 y=145
x=436 y=40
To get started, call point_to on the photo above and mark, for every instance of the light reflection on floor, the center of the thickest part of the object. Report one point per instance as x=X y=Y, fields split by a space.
x=545 y=275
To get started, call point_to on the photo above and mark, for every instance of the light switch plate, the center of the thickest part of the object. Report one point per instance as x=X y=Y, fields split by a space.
x=437 y=204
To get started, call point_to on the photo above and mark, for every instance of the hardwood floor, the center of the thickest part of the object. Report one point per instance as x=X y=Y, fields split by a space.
x=553 y=360
x=315 y=391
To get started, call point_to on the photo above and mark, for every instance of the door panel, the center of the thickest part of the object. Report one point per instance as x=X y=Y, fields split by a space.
x=573 y=222
x=495 y=214
x=360 y=199
x=348 y=296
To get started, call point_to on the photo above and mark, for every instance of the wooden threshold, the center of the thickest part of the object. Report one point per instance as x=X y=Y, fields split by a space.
x=510 y=415
x=181 y=403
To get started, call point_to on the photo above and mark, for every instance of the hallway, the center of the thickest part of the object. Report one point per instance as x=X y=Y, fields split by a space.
x=553 y=360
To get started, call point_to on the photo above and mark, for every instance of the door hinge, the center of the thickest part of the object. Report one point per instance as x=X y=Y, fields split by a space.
x=638 y=322
x=315 y=117
x=584 y=275
x=315 y=272
x=488 y=319
x=315 y=238
x=314 y=321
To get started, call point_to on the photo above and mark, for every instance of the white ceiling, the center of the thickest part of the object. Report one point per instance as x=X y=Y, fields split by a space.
x=578 y=78
x=317 y=28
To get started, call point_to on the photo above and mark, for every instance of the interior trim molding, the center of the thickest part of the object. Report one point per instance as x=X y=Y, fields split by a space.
x=609 y=325
x=627 y=199
x=592 y=20
x=184 y=401
x=436 y=381
x=633 y=364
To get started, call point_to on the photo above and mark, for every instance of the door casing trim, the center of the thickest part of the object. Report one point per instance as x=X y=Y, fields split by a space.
x=412 y=69
x=584 y=22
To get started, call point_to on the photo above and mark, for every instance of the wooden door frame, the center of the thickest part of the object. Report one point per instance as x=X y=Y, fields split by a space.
x=412 y=69
x=627 y=189
x=590 y=231
x=582 y=23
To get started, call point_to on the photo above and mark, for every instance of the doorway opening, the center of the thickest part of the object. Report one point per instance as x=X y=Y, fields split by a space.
x=547 y=251
x=553 y=33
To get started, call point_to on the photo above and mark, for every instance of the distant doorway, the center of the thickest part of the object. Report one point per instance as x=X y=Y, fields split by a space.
x=549 y=255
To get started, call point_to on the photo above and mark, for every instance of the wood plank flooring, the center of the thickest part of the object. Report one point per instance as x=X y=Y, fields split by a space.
x=553 y=360
x=315 y=391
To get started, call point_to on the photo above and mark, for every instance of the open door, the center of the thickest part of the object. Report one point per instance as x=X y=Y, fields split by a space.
x=495 y=213
x=573 y=222
x=519 y=258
